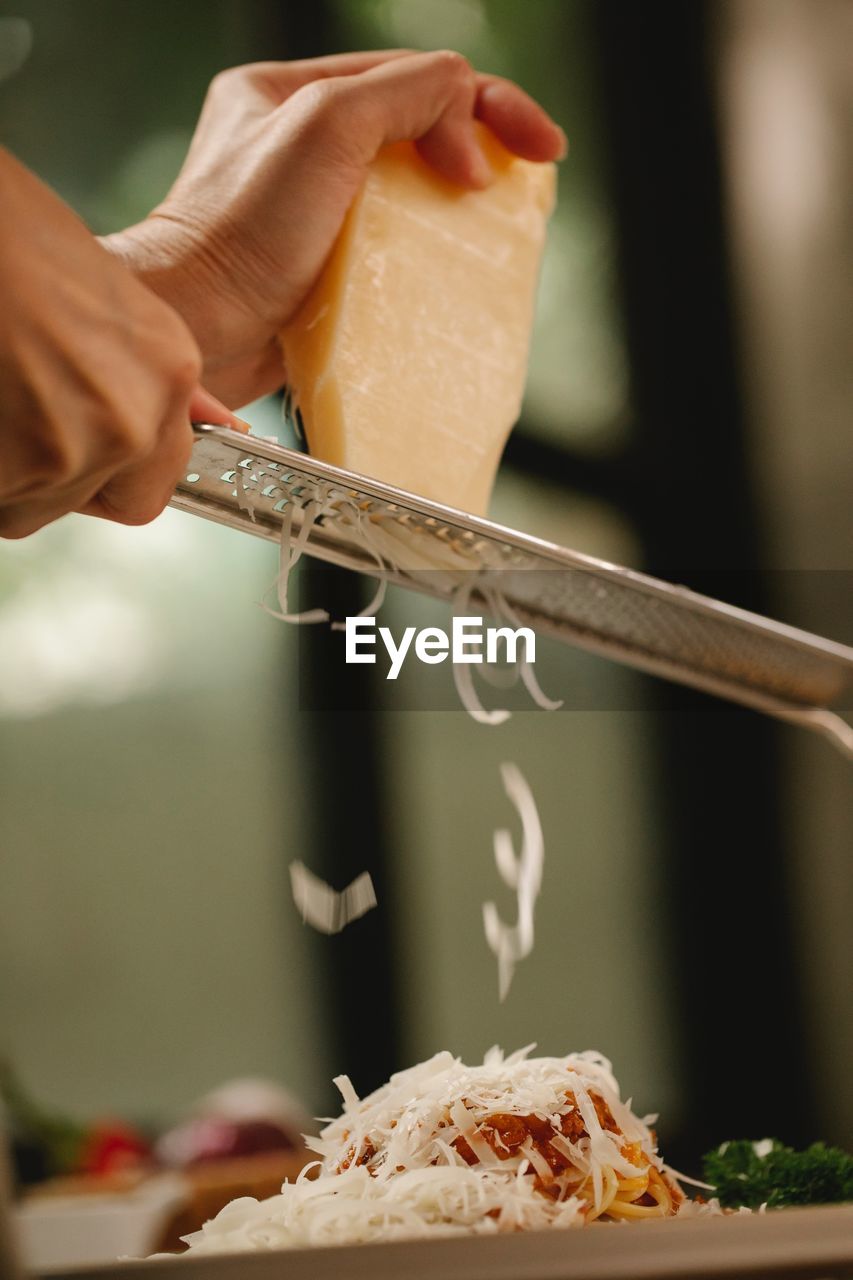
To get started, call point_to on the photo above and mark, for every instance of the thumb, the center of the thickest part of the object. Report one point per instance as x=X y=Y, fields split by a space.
x=206 y=408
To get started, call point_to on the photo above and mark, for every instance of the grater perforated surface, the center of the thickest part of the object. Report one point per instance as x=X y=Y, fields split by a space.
x=249 y=484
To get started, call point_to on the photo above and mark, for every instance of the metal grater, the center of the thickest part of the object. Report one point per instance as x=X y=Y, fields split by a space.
x=667 y=630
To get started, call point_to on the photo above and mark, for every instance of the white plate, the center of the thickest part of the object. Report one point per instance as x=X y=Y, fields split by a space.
x=806 y=1243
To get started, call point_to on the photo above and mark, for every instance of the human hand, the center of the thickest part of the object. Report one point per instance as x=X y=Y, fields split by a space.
x=98 y=376
x=278 y=155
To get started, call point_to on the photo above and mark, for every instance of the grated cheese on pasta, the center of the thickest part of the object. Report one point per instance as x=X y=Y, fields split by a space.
x=448 y=1149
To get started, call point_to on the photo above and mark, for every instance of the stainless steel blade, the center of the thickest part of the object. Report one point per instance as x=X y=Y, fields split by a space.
x=251 y=485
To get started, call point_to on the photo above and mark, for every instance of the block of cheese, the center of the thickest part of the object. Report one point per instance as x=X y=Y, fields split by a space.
x=407 y=360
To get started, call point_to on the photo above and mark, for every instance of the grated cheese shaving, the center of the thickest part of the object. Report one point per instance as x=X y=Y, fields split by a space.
x=523 y=874
x=290 y=553
x=501 y=608
x=323 y=907
x=403 y=551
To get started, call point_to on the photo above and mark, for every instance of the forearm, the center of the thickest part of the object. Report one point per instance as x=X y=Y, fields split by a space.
x=96 y=373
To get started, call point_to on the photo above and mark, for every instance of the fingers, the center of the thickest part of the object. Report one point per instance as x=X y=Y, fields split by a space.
x=20 y=519
x=134 y=494
x=276 y=81
x=428 y=98
x=206 y=408
x=450 y=145
x=445 y=136
x=128 y=477
x=521 y=124
x=139 y=492
x=425 y=97
x=41 y=504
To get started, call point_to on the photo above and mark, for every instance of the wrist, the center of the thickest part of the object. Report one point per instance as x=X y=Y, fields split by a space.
x=241 y=356
x=162 y=259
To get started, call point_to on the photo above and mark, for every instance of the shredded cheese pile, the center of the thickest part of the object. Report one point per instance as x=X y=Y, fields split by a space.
x=517 y=1143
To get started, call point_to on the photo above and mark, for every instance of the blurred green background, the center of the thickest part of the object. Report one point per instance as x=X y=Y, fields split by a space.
x=153 y=777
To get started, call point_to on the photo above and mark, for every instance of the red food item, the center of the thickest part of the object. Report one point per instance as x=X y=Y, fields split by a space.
x=216 y=1139
x=110 y=1146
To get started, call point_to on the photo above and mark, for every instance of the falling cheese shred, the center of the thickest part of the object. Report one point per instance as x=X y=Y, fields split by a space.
x=516 y=1143
x=323 y=907
x=522 y=873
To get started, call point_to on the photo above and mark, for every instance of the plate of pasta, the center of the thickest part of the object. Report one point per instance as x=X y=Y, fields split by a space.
x=515 y=1143
x=520 y=1167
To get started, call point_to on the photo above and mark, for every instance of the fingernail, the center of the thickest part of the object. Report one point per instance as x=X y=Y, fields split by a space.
x=205 y=407
x=564 y=144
